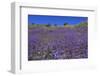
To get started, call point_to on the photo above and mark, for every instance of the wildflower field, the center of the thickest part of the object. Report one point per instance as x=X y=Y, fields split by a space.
x=46 y=42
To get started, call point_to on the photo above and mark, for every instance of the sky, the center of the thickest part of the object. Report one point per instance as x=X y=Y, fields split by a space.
x=59 y=20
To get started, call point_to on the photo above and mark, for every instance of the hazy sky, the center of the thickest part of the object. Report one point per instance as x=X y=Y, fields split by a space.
x=59 y=20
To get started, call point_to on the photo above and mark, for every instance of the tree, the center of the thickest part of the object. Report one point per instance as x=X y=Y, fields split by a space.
x=65 y=24
x=48 y=25
x=82 y=24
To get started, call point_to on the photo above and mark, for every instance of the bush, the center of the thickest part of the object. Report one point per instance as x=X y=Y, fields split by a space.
x=82 y=24
x=48 y=25
x=65 y=24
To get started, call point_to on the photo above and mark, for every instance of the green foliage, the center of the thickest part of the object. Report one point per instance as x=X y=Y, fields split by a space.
x=48 y=25
x=33 y=25
x=65 y=24
x=82 y=24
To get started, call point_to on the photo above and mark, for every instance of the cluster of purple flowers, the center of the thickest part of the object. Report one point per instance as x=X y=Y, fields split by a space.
x=57 y=43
